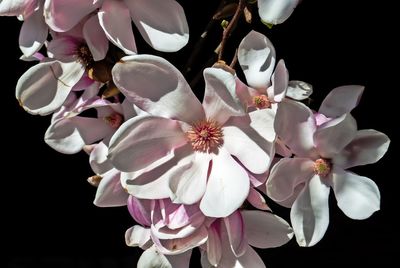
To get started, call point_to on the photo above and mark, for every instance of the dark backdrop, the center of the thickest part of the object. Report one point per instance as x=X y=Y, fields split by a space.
x=47 y=217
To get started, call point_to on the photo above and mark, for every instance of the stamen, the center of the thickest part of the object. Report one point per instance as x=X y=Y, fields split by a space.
x=322 y=167
x=261 y=102
x=114 y=120
x=84 y=55
x=205 y=136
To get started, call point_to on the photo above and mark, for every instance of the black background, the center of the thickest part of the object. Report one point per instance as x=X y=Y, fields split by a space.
x=47 y=217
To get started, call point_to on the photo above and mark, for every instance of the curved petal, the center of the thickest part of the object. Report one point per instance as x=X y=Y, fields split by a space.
x=95 y=38
x=214 y=251
x=142 y=140
x=63 y=15
x=367 y=147
x=188 y=184
x=280 y=81
x=33 y=34
x=299 y=90
x=152 y=257
x=276 y=11
x=249 y=259
x=220 y=101
x=310 y=213
x=227 y=188
x=256 y=56
x=236 y=233
x=17 y=7
x=358 y=197
x=137 y=236
x=157 y=87
x=331 y=137
x=162 y=23
x=115 y=20
x=287 y=175
x=266 y=230
x=251 y=140
x=44 y=87
x=257 y=200
x=110 y=192
x=341 y=100
x=98 y=159
x=140 y=210
x=181 y=260
x=295 y=125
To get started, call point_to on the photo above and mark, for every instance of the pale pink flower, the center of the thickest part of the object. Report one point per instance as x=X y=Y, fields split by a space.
x=162 y=23
x=322 y=153
x=186 y=150
x=276 y=11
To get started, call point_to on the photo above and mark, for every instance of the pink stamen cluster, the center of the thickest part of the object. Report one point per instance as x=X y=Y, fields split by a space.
x=205 y=135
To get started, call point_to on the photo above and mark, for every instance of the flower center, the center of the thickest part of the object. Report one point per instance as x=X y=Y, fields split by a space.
x=261 y=102
x=84 y=55
x=205 y=136
x=322 y=167
x=114 y=120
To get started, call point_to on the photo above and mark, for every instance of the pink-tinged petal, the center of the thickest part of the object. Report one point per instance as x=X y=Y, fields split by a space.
x=266 y=230
x=358 y=197
x=157 y=87
x=18 y=7
x=95 y=38
x=310 y=213
x=251 y=140
x=163 y=232
x=69 y=135
x=227 y=188
x=180 y=245
x=152 y=257
x=110 y=192
x=98 y=159
x=162 y=23
x=299 y=90
x=236 y=233
x=115 y=20
x=137 y=236
x=295 y=125
x=63 y=15
x=280 y=81
x=188 y=183
x=220 y=101
x=33 y=34
x=140 y=210
x=152 y=181
x=44 y=87
x=287 y=175
x=142 y=140
x=332 y=136
x=249 y=259
x=257 y=200
x=243 y=93
x=181 y=260
x=182 y=215
x=63 y=48
x=214 y=251
x=276 y=11
x=367 y=147
x=256 y=56
x=341 y=100
x=282 y=149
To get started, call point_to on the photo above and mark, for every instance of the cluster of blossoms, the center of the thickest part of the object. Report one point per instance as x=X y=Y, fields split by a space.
x=192 y=174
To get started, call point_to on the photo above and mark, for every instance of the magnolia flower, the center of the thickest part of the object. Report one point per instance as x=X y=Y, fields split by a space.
x=162 y=23
x=186 y=150
x=230 y=239
x=323 y=151
x=276 y=11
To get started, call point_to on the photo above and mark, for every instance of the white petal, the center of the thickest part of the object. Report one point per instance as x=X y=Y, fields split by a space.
x=220 y=101
x=280 y=81
x=162 y=23
x=137 y=236
x=358 y=197
x=367 y=147
x=256 y=56
x=248 y=259
x=299 y=90
x=181 y=260
x=341 y=100
x=157 y=87
x=95 y=38
x=266 y=230
x=295 y=125
x=33 y=34
x=142 y=140
x=227 y=187
x=110 y=192
x=287 y=175
x=44 y=87
x=310 y=213
x=332 y=136
x=276 y=11
x=115 y=20
x=153 y=258
x=98 y=159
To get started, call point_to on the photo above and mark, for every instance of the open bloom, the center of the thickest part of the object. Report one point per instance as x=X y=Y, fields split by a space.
x=186 y=150
x=323 y=150
x=276 y=11
x=162 y=23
